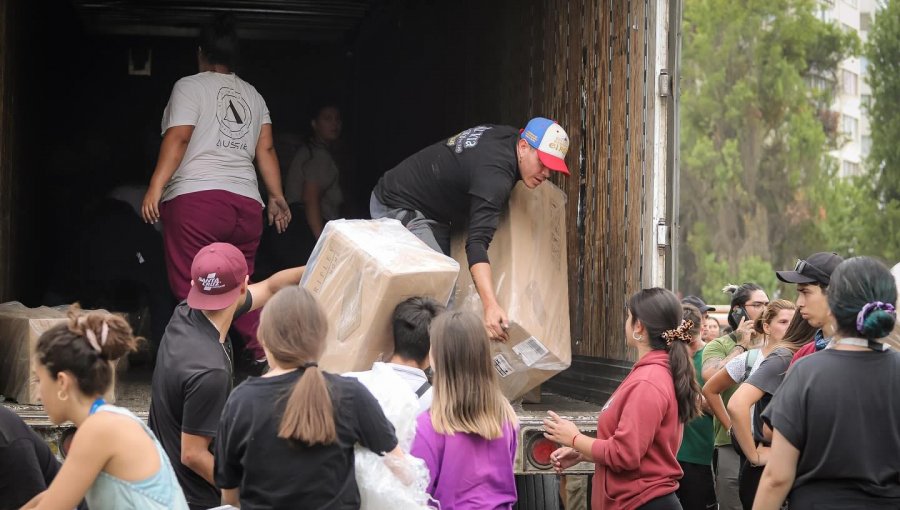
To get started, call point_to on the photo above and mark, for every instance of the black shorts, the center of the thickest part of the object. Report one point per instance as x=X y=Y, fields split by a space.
x=667 y=502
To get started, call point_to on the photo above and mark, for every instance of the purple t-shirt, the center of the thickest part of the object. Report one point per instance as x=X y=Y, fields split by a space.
x=468 y=471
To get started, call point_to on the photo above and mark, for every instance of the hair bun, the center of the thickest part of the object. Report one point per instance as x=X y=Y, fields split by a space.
x=878 y=324
x=730 y=288
x=109 y=335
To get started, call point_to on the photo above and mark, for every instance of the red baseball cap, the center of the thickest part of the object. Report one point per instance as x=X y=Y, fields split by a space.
x=217 y=273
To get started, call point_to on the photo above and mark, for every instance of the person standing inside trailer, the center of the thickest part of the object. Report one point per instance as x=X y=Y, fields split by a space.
x=204 y=187
x=467 y=179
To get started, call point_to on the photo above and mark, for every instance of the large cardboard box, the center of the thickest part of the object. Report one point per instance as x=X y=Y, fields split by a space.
x=20 y=328
x=529 y=269
x=360 y=270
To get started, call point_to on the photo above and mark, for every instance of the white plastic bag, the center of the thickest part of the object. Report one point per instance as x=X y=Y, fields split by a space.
x=388 y=483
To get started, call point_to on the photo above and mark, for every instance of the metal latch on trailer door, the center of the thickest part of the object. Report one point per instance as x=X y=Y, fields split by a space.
x=665 y=83
x=662 y=234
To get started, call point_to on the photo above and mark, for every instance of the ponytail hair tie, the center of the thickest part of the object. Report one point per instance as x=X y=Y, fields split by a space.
x=91 y=336
x=682 y=333
x=92 y=339
x=104 y=333
x=309 y=365
x=868 y=309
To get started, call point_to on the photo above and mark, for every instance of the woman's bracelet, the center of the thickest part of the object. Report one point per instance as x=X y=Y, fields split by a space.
x=574 y=438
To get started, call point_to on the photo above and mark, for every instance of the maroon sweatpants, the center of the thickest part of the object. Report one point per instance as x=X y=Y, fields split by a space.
x=194 y=220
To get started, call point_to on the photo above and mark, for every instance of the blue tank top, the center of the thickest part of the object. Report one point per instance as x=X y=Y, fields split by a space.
x=158 y=492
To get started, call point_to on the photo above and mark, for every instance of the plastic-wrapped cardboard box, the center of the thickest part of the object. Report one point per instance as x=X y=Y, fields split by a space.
x=360 y=270
x=529 y=268
x=20 y=328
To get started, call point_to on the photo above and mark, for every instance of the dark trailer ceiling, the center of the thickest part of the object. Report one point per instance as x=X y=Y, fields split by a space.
x=298 y=20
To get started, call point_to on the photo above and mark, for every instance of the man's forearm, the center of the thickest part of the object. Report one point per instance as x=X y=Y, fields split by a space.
x=282 y=279
x=203 y=464
x=483 y=278
x=231 y=497
x=735 y=351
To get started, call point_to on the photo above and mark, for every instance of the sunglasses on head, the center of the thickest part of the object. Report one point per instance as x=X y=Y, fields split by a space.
x=807 y=268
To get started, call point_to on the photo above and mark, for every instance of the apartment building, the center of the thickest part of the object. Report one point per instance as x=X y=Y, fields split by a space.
x=852 y=91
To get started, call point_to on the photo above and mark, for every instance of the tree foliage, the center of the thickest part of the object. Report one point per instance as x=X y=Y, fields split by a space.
x=754 y=135
x=883 y=53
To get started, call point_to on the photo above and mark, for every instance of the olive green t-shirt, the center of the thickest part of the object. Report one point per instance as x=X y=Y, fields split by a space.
x=719 y=348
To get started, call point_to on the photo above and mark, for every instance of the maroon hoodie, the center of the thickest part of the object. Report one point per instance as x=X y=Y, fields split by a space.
x=638 y=435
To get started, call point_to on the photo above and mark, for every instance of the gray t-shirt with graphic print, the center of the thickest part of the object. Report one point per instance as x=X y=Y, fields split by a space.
x=227 y=114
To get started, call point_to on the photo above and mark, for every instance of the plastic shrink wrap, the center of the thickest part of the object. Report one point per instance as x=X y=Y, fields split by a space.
x=380 y=487
x=530 y=273
x=360 y=270
x=20 y=328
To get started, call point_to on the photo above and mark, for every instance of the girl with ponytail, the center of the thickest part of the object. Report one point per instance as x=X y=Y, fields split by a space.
x=640 y=427
x=115 y=461
x=836 y=416
x=286 y=439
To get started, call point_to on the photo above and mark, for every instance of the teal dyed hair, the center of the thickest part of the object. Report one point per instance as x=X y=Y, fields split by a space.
x=855 y=283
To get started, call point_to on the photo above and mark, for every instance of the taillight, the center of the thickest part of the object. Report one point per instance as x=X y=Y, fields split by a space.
x=539 y=450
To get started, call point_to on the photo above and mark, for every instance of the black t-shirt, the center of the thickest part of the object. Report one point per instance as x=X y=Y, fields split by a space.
x=27 y=466
x=768 y=378
x=464 y=179
x=191 y=382
x=841 y=409
x=276 y=473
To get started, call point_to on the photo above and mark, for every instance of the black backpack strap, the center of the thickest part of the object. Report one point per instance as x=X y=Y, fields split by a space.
x=422 y=389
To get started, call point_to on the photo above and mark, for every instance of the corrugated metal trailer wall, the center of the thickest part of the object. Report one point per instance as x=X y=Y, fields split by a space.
x=587 y=64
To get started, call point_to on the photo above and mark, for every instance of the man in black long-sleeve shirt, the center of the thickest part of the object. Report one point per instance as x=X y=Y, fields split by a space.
x=467 y=179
